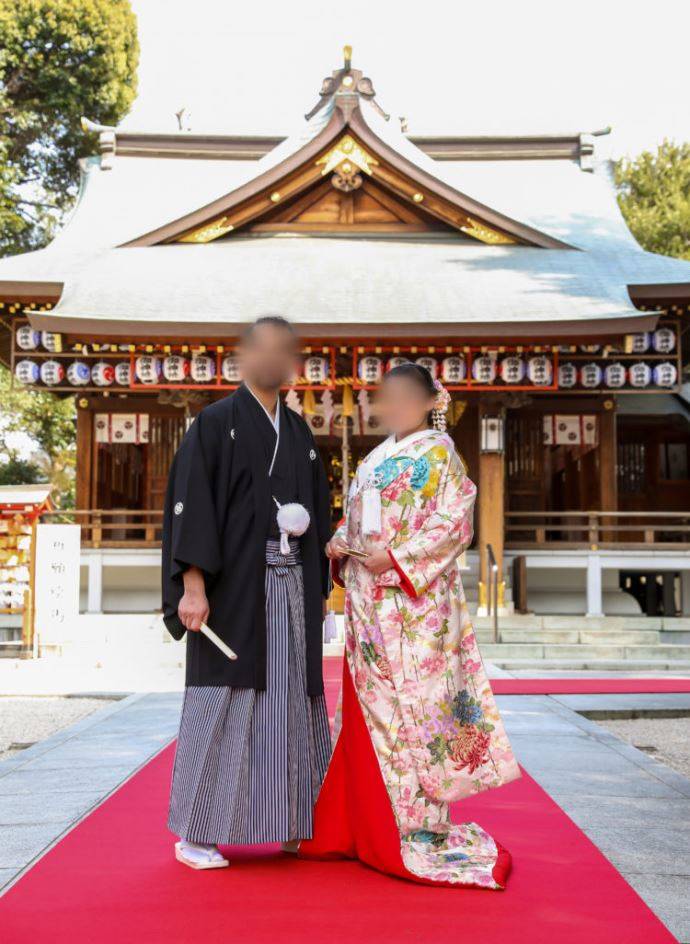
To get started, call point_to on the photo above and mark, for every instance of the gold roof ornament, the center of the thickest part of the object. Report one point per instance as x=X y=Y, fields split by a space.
x=209 y=232
x=347 y=150
x=486 y=234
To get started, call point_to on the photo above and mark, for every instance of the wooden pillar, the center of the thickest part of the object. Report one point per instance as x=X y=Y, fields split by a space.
x=85 y=439
x=608 y=476
x=490 y=519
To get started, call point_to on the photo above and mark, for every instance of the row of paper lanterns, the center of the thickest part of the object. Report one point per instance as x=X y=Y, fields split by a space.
x=148 y=369
x=616 y=375
x=538 y=370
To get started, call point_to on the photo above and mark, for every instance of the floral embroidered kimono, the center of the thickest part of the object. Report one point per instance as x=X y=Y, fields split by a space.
x=418 y=726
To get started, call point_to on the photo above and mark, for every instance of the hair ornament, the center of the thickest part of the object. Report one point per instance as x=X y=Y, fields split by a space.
x=441 y=404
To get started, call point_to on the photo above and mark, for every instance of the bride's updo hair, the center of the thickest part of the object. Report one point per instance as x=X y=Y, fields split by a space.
x=415 y=372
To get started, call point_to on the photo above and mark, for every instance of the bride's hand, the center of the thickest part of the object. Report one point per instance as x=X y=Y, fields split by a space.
x=336 y=549
x=378 y=562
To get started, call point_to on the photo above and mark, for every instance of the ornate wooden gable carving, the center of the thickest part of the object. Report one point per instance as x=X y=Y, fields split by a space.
x=347 y=178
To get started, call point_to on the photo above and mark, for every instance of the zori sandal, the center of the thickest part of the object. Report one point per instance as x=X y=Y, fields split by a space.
x=199 y=857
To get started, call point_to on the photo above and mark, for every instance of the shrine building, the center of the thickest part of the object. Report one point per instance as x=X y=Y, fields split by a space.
x=502 y=263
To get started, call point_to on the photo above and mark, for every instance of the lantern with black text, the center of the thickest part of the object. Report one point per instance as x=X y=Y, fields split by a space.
x=370 y=369
x=512 y=369
x=567 y=375
x=316 y=370
x=453 y=369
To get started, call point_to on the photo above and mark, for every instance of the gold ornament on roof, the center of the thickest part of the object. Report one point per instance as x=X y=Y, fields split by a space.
x=209 y=232
x=485 y=234
x=347 y=149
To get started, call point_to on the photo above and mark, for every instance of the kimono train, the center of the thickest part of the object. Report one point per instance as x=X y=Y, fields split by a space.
x=418 y=727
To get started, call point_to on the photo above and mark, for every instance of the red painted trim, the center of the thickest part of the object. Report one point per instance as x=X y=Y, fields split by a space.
x=405 y=582
x=336 y=575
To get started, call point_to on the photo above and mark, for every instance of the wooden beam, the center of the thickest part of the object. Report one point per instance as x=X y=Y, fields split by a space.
x=608 y=477
x=491 y=498
x=85 y=449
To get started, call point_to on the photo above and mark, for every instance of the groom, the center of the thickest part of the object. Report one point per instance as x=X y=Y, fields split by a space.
x=254 y=740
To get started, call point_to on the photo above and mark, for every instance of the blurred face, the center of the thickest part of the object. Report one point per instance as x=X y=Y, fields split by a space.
x=403 y=405
x=268 y=357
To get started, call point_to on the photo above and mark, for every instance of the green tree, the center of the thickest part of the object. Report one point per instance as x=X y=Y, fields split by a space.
x=654 y=196
x=59 y=60
x=50 y=425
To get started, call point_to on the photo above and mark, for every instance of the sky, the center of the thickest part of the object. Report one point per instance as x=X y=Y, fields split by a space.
x=448 y=66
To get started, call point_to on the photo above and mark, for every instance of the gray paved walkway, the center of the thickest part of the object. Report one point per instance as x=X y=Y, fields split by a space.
x=636 y=810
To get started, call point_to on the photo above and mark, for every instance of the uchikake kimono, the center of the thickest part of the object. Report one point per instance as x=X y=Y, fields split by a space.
x=419 y=727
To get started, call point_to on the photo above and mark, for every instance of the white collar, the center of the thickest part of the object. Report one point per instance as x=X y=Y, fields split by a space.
x=275 y=423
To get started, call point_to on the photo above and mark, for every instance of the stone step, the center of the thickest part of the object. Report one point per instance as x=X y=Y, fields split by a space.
x=575 y=637
x=494 y=651
x=674 y=667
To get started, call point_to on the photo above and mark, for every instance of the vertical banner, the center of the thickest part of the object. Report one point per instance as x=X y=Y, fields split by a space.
x=56 y=586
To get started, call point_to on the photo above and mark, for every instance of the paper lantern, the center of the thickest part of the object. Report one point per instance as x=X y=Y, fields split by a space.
x=590 y=375
x=203 y=368
x=27 y=372
x=175 y=368
x=640 y=375
x=430 y=363
x=484 y=369
x=638 y=343
x=370 y=369
x=123 y=374
x=453 y=369
x=397 y=361
x=52 y=373
x=230 y=369
x=512 y=369
x=664 y=340
x=316 y=370
x=567 y=375
x=51 y=342
x=78 y=373
x=614 y=375
x=27 y=338
x=103 y=374
x=665 y=374
x=147 y=369
x=540 y=370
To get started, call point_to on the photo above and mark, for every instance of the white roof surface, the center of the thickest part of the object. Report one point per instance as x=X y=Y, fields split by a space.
x=340 y=281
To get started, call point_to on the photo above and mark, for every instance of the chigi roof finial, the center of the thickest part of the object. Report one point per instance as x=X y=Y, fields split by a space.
x=347 y=81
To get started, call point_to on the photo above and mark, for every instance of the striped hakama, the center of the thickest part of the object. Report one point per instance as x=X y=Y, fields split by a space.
x=249 y=764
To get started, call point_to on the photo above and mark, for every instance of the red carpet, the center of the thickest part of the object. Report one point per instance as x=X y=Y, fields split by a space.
x=113 y=879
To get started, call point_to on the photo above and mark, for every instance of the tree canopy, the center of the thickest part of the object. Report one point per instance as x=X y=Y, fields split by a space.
x=654 y=196
x=45 y=423
x=59 y=60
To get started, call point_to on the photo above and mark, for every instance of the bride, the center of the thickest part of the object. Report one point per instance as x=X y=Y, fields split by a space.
x=418 y=726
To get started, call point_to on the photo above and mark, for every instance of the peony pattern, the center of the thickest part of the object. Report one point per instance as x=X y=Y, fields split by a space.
x=414 y=659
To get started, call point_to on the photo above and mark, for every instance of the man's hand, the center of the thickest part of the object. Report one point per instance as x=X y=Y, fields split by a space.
x=336 y=549
x=377 y=562
x=193 y=608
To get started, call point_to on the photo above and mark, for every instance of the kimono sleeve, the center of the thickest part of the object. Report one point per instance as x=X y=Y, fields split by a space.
x=443 y=535
x=192 y=538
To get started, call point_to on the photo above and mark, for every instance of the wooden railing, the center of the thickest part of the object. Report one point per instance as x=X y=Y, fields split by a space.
x=126 y=527
x=592 y=529
x=116 y=527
